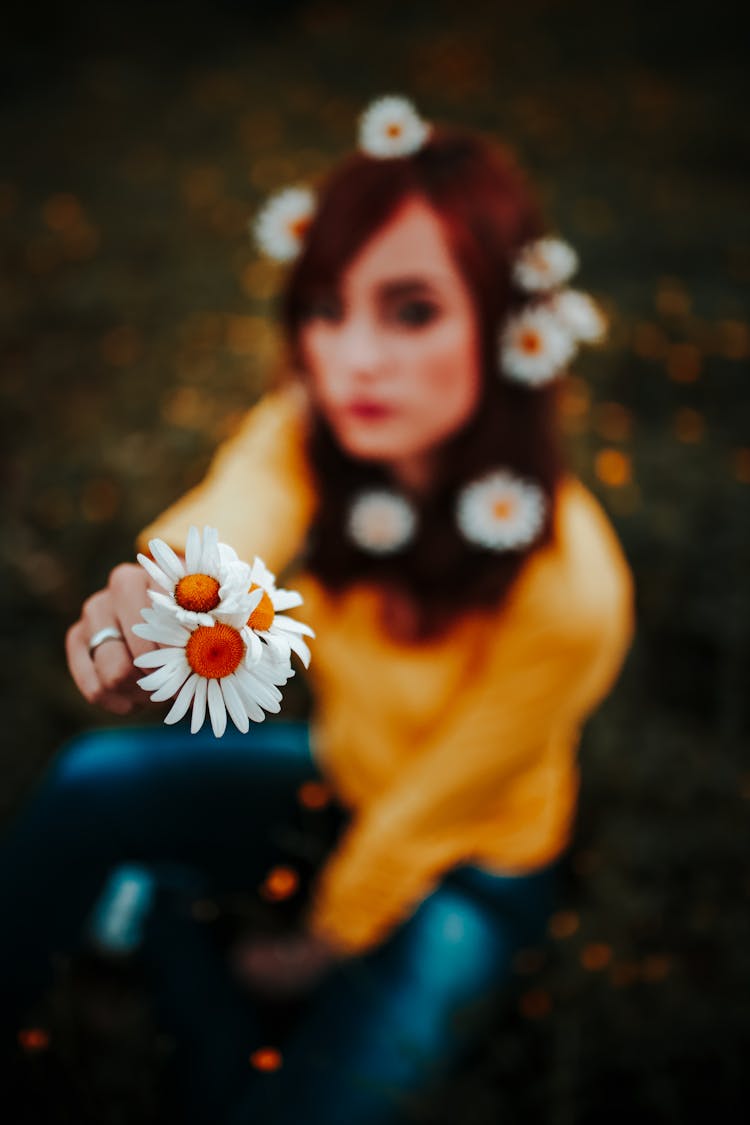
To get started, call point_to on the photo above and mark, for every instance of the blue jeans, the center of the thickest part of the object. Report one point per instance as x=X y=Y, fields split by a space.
x=373 y=1034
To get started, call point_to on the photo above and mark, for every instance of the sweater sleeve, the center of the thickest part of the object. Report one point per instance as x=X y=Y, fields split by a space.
x=257 y=491
x=546 y=667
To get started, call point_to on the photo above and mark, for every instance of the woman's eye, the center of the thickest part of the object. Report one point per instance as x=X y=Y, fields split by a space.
x=323 y=308
x=416 y=313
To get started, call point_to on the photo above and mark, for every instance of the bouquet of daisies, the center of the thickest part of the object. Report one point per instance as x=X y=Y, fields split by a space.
x=225 y=643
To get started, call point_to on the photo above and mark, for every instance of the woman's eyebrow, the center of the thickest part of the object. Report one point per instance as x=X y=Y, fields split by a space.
x=406 y=287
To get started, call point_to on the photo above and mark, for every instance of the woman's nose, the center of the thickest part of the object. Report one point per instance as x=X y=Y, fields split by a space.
x=361 y=348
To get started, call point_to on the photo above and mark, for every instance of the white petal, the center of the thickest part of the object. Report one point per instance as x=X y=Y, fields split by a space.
x=179 y=674
x=291 y=625
x=192 y=620
x=162 y=601
x=254 y=651
x=245 y=688
x=161 y=634
x=193 y=550
x=210 y=559
x=159 y=656
x=234 y=704
x=266 y=694
x=227 y=554
x=279 y=645
x=272 y=670
x=182 y=702
x=158 y=575
x=262 y=575
x=216 y=708
x=155 y=679
x=286 y=599
x=303 y=652
x=167 y=559
x=199 y=706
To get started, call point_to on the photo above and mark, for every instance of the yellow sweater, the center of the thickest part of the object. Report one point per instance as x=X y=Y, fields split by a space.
x=456 y=751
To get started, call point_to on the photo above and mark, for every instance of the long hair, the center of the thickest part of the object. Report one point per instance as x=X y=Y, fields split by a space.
x=488 y=211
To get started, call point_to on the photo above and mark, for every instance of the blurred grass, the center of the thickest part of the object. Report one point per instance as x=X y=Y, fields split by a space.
x=136 y=325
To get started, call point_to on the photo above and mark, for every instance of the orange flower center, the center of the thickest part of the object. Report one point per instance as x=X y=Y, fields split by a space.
x=502 y=509
x=298 y=227
x=262 y=616
x=394 y=129
x=530 y=341
x=197 y=592
x=539 y=261
x=215 y=651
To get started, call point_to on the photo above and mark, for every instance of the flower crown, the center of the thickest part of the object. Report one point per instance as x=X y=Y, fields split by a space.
x=536 y=343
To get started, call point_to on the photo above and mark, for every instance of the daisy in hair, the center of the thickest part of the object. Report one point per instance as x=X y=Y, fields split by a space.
x=381 y=522
x=391 y=126
x=501 y=511
x=267 y=622
x=209 y=668
x=282 y=223
x=534 y=346
x=544 y=264
x=204 y=589
x=579 y=314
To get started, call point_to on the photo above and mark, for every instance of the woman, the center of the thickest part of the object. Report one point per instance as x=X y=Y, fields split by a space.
x=471 y=605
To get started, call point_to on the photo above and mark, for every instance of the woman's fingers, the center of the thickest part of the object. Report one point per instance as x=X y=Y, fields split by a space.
x=81 y=667
x=85 y=675
x=112 y=660
x=128 y=585
x=107 y=676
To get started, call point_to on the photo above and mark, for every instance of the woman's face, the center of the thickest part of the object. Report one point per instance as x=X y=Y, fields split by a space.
x=393 y=355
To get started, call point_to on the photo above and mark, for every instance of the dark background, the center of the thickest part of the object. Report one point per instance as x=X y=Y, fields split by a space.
x=137 y=139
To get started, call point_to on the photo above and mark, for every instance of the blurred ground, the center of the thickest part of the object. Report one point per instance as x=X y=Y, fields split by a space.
x=135 y=328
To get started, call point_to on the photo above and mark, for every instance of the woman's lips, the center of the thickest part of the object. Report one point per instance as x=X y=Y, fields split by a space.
x=368 y=411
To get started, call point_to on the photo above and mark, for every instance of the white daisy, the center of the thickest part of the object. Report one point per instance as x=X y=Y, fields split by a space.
x=282 y=223
x=391 y=126
x=208 y=667
x=579 y=314
x=283 y=635
x=381 y=522
x=501 y=511
x=207 y=588
x=543 y=264
x=534 y=346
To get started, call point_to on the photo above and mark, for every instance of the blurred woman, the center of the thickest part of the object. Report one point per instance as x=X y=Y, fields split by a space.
x=471 y=605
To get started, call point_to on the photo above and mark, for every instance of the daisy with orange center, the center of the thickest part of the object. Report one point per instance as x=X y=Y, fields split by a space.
x=502 y=511
x=225 y=643
x=580 y=314
x=544 y=264
x=381 y=522
x=201 y=590
x=280 y=634
x=390 y=127
x=208 y=668
x=534 y=346
x=280 y=227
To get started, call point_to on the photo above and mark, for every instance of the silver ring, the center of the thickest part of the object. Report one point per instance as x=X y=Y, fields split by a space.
x=108 y=633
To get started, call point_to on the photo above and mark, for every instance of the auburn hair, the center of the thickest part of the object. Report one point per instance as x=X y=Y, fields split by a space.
x=488 y=211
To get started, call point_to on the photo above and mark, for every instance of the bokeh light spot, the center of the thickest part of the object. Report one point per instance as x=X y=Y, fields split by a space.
x=266 y=1058
x=613 y=467
x=281 y=882
x=314 y=794
x=595 y=956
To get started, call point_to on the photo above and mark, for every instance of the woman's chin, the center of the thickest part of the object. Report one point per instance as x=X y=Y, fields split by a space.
x=369 y=447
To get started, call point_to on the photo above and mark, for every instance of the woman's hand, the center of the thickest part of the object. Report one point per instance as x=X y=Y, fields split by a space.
x=108 y=676
x=283 y=965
